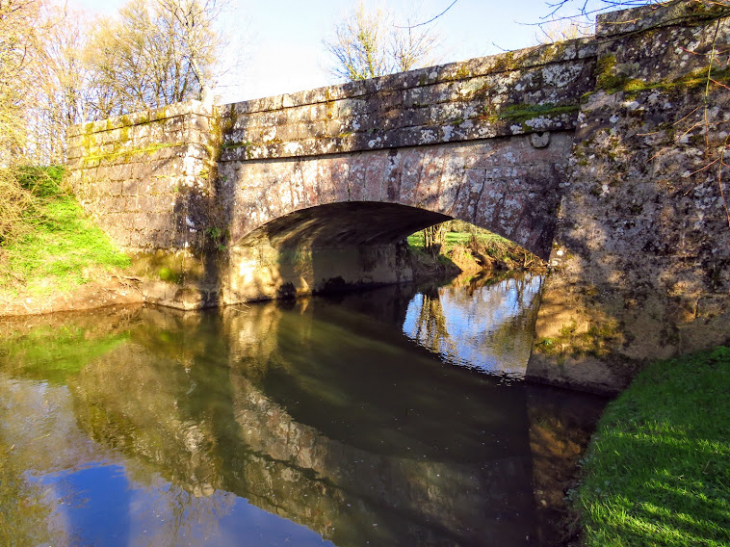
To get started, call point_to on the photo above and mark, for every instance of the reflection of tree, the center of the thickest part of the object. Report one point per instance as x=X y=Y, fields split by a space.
x=37 y=434
x=183 y=515
x=430 y=329
x=479 y=322
x=24 y=516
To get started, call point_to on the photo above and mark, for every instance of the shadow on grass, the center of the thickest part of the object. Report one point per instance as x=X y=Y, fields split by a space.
x=658 y=470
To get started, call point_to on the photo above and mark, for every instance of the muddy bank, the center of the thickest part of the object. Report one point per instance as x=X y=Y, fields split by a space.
x=105 y=290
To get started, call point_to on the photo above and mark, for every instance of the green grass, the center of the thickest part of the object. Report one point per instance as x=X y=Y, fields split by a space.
x=490 y=244
x=657 y=472
x=454 y=238
x=58 y=243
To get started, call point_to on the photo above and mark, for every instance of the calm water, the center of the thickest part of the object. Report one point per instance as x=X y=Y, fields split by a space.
x=363 y=419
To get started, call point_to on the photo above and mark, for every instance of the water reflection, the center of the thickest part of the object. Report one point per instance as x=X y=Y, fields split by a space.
x=486 y=324
x=312 y=423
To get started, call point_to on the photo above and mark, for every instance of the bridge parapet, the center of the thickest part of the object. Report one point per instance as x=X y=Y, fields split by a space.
x=147 y=179
x=530 y=90
x=135 y=173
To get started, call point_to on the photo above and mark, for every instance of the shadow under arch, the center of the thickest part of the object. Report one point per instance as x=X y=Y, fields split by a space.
x=325 y=248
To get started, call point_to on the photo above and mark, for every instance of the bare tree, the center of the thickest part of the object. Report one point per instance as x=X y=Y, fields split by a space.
x=21 y=44
x=194 y=20
x=590 y=7
x=563 y=30
x=61 y=84
x=157 y=52
x=368 y=44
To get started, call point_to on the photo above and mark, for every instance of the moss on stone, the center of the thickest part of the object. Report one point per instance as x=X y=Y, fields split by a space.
x=596 y=340
x=97 y=158
x=505 y=62
x=607 y=77
x=124 y=133
x=608 y=80
x=523 y=112
x=170 y=267
x=463 y=72
x=236 y=144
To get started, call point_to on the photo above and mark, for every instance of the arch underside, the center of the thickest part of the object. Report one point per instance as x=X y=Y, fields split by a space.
x=344 y=224
x=326 y=248
x=311 y=224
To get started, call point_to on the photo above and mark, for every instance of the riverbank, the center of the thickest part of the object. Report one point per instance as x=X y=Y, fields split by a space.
x=657 y=471
x=470 y=254
x=56 y=258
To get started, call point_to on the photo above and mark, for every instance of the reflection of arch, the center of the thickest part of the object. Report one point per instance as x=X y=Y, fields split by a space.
x=209 y=427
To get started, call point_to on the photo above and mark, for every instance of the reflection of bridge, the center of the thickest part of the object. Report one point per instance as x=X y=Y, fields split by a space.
x=208 y=427
x=577 y=151
x=294 y=470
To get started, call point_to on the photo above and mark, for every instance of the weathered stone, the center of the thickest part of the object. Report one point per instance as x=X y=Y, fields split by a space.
x=643 y=232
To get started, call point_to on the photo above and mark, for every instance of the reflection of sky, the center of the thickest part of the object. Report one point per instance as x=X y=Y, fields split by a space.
x=100 y=498
x=101 y=505
x=487 y=328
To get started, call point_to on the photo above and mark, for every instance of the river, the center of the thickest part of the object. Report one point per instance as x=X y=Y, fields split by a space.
x=395 y=416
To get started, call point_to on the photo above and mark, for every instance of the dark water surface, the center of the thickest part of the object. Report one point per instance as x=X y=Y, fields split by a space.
x=362 y=419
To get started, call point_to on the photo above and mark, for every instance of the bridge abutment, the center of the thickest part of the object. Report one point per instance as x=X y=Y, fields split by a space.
x=641 y=257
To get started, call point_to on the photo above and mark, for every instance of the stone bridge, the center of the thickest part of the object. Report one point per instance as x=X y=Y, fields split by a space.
x=603 y=155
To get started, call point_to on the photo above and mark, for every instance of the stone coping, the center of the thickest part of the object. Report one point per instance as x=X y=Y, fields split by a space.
x=676 y=12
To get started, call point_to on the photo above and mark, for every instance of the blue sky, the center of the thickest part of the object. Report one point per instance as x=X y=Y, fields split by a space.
x=281 y=40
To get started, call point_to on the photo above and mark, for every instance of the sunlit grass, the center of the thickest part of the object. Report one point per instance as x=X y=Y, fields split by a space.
x=59 y=245
x=456 y=238
x=658 y=470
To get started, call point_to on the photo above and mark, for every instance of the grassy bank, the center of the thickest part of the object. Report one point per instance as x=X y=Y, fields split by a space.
x=55 y=249
x=480 y=249
x=456 y=238
x=657 y=472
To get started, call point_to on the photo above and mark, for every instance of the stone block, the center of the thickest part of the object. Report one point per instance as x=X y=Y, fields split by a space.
x=130 y=187
x=195 y=122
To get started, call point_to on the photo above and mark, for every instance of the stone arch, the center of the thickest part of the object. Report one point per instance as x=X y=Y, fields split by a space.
x=505 y=185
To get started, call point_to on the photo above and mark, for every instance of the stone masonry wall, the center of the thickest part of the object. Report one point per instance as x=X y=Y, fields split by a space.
x=642 y=252
x=509 y=186
x=531 y=90
x=146 y=179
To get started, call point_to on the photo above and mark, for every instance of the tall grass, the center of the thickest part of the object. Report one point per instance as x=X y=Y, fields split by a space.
x=15 y=201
